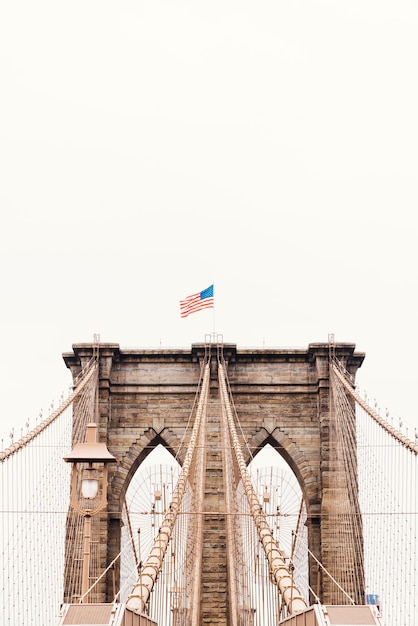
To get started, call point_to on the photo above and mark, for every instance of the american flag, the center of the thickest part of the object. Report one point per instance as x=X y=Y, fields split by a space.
x=197 y=302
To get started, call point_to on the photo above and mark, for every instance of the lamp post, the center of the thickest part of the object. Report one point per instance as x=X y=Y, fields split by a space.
x=175 y=592
x=90 y=460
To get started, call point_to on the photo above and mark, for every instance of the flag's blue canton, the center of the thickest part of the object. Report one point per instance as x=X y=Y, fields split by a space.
x=207 y=293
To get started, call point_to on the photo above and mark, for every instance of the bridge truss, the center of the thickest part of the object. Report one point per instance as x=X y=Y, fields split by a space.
x=267 y=574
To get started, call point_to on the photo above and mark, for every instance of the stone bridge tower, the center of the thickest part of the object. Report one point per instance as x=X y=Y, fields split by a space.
x=281 y=397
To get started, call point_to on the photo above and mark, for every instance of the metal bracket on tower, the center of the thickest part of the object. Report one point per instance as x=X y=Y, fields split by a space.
x=96 y=344
x=331 y=344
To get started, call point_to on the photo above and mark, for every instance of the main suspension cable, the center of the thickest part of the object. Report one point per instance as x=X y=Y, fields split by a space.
x=280 y=573
x=141 y=591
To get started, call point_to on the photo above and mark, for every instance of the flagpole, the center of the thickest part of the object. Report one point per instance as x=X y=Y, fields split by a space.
x=213 y=313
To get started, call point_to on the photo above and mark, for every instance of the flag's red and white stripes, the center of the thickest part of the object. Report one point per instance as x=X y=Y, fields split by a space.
x=197 y=302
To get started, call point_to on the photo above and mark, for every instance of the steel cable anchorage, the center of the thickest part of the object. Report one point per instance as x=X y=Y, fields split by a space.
x=280 y=573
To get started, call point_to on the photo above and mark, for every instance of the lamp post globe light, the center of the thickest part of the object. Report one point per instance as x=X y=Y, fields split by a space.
x=89 y=489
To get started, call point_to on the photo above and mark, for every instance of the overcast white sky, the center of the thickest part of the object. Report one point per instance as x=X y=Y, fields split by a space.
x=148 y=149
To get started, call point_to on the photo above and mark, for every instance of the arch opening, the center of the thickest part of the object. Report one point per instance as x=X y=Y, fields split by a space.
x=147 y=499
x=149 y=493
x=281 y=497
